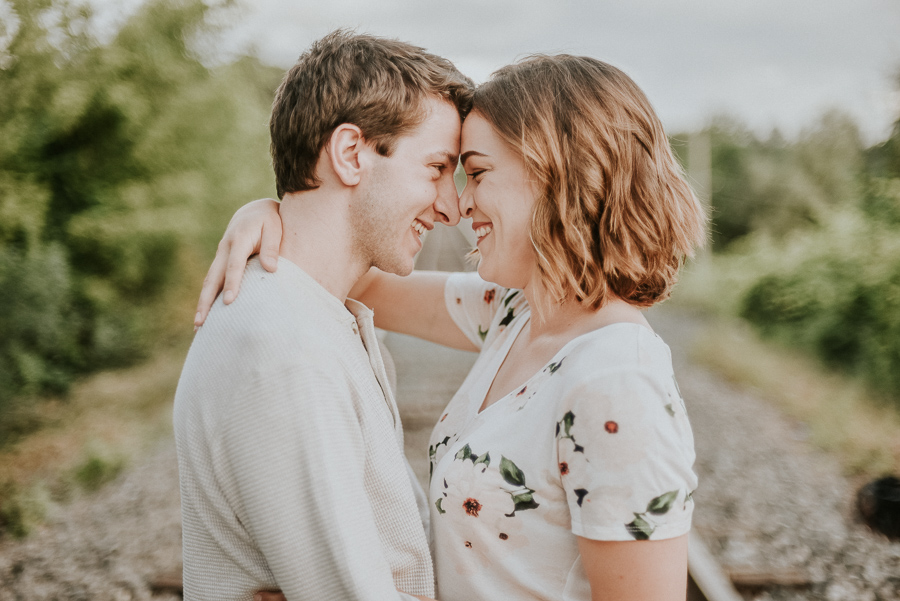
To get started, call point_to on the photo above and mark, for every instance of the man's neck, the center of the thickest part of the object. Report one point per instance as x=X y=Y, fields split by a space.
x=317 y=239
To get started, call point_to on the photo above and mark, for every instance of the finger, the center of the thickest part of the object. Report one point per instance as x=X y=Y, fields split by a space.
x=212 y=284
x=270 y=245
x=234 y=272
x=269 y=596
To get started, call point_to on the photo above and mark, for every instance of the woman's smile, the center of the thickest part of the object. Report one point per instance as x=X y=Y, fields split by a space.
x=482 y=229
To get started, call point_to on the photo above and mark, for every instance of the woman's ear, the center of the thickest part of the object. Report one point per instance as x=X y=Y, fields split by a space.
x=344 y=147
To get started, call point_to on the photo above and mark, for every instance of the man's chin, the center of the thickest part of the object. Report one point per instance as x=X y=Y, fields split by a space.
x=398 y=267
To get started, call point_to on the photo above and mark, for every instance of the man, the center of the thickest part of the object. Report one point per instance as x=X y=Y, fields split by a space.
x=289 y=442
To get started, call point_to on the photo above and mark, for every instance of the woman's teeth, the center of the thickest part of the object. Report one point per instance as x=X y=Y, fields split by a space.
x=419 y=227
x=483 y=231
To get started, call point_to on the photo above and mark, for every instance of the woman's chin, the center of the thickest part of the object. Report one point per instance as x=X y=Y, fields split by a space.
x=484 y=270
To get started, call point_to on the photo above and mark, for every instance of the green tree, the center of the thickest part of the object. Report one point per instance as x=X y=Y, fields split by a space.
x=115 y=160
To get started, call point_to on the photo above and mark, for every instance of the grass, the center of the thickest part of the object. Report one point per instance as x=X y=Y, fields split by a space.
x=843 y=417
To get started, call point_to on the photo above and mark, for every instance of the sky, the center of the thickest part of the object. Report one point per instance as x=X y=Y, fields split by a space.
x=770 y=63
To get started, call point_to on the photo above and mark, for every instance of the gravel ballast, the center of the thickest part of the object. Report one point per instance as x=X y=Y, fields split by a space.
x=776 y=513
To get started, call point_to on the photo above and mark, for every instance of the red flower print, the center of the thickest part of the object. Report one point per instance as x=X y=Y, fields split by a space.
x=489 y=295
x=521 y=392
x=468 y=545
x=611 y=427
x=472 y=507
x=459 y=301
x=444 y=416
x=503 y=536
x=563 y=468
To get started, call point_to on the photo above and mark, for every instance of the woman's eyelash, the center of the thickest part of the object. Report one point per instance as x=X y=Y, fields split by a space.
x=475 y=173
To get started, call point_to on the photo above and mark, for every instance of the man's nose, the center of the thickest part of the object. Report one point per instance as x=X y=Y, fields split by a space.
x=447 y=204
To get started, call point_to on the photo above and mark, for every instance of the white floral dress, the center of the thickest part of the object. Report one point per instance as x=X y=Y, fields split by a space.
x=596 y=444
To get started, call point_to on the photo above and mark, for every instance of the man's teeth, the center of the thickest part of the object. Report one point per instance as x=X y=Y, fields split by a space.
x=483 y=231
x=420 y=228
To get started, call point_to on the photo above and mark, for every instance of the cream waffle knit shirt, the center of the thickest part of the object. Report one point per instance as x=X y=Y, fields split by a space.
x=290 y=452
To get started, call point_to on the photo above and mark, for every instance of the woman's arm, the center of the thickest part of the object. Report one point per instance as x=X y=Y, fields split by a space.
x=412 y=305
x=636 y=570
x=254 y=228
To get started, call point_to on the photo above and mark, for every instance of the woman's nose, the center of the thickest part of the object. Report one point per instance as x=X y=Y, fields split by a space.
x=466 y=202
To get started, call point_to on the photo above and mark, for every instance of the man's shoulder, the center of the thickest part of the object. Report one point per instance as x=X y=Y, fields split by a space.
x=285 y=308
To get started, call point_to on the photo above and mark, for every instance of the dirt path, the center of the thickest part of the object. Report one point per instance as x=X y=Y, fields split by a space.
x=767 y=503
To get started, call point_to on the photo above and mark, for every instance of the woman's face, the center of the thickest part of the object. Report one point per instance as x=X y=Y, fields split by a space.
x=499 y=197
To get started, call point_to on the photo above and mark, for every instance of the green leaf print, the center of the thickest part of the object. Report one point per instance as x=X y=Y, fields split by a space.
x=511 y=472
x=581 y=493
x=509 y=297
x=566 y=422
x=485 y=459
x=556 y=366
x=663 y=503
x=524 y=500
x=639 y=528
x=438 y=505
x=508 y=319
x=483 y=334
x=670 y=410
x=432 y=452
x=464 y=453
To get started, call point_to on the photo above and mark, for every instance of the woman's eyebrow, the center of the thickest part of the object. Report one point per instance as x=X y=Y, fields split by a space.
x=470 y=153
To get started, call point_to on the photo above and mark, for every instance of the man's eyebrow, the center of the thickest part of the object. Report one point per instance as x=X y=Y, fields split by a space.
x=444 y=155
x=470 y=153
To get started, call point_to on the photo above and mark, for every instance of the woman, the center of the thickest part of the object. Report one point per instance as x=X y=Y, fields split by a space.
x=562 y=467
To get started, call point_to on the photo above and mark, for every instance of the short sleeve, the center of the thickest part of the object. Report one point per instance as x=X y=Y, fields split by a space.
x=472 y=303
x=625 y=455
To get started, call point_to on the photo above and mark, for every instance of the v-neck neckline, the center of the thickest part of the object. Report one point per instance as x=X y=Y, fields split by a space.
x=505 y=350
x=478 y=411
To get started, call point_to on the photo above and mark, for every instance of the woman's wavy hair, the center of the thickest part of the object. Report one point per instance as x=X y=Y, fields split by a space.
x=614 y=215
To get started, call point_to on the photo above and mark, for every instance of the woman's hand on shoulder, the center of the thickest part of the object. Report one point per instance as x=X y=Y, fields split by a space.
x=254 y=228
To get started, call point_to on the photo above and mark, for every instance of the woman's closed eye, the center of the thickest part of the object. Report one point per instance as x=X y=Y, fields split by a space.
x=476 y=173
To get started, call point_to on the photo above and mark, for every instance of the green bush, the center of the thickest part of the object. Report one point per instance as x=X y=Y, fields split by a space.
x=836 y=293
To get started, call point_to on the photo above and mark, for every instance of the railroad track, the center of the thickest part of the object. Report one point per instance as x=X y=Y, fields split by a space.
x=707 y=581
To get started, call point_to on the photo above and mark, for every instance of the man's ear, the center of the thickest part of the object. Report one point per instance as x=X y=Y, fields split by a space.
x=344 y=147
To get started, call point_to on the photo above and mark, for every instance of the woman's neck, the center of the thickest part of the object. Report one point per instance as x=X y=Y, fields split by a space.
x=569 y=319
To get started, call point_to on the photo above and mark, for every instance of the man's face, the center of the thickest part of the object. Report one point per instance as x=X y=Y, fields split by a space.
x=407 y=192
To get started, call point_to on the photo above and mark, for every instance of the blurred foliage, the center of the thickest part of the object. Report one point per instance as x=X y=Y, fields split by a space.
x=116 y=159
x=776 y=186
x=806 y=239
x=835 y=291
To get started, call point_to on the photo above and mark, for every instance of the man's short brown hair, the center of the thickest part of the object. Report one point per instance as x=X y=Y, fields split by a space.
x=377 y=84
x=614 y=216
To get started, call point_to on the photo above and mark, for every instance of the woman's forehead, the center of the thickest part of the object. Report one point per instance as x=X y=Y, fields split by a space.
x=477 y=134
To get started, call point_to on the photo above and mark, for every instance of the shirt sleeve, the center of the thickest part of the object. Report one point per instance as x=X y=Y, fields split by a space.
x=473 y=303
x=294 y=453
x=625 y=455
